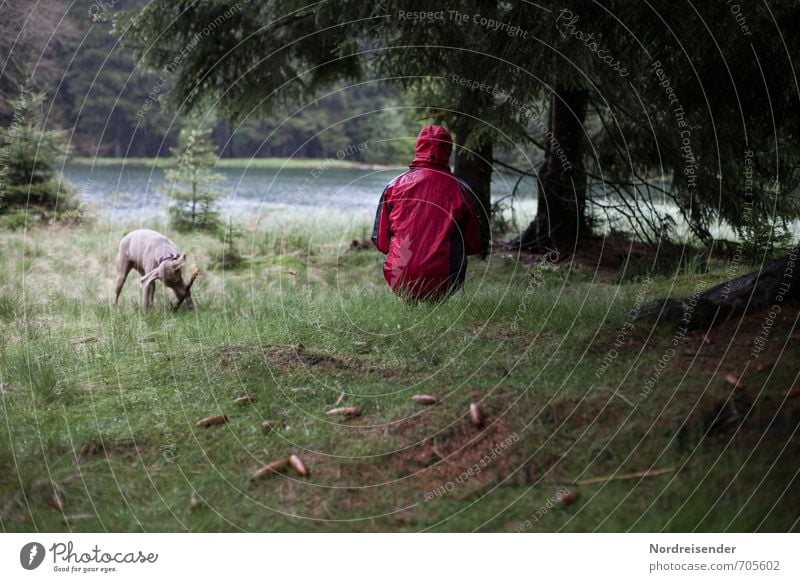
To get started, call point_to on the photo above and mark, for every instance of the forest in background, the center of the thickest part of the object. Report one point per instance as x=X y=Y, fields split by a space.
x=112 y=105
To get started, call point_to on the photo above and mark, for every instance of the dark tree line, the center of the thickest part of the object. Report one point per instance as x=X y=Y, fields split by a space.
x=112 y=104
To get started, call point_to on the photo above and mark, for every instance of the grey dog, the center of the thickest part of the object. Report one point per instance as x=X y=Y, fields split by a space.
x=154 y=256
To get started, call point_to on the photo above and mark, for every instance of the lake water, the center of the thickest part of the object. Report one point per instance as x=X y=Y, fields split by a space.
x=131 y=194
x=134 y=195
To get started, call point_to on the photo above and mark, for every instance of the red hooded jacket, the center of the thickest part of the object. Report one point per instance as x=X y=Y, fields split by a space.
x=427 y=222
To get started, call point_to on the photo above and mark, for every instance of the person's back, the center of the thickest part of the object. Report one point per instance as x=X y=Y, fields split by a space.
x=427 y=222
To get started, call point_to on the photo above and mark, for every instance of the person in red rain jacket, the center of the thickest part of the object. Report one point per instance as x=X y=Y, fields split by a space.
x=427 y=223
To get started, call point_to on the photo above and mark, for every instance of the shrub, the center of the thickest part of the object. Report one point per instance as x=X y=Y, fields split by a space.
x=192 y=183
x=764 y=238
x=30 y=182
x=229 y=256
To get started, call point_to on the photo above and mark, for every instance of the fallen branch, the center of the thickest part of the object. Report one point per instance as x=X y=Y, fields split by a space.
x=71 y=519
x=624 y=476
x=773 y=283
x=621 y=396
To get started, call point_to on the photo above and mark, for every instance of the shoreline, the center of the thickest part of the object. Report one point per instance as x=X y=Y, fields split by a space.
x=233 y=163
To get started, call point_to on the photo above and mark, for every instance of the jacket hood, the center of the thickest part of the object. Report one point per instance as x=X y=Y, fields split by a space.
x=434 y=146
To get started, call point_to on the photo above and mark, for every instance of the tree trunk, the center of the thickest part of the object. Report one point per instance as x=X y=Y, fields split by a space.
x=767 y=287
x=561 y=213
x=475 y=168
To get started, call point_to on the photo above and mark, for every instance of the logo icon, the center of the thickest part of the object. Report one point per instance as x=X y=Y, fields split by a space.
x=31 y=555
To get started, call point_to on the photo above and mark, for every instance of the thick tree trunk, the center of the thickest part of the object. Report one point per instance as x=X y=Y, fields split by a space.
x=475 y=168
x=767 y=287
x=561 y=214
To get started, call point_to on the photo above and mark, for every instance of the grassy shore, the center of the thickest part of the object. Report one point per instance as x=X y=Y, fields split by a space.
x=100 y=404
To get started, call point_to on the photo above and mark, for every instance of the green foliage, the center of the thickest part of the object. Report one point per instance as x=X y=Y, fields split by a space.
x=694 y=263
x=9 y=306
x=29 y=159
x=228 y=257
x=37 y=371
x=14 y=220
x=764 y=239
x=225 y=39
x=192 y=182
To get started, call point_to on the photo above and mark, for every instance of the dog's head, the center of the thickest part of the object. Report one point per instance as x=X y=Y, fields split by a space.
x=169 y=272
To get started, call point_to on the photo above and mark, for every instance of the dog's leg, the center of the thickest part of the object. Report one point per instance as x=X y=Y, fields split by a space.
x=122 y=275
x=147 y=295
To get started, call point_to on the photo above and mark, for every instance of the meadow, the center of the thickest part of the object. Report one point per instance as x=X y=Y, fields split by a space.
x=99 y=404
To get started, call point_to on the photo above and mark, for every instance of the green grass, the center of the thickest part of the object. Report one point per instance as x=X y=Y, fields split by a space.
x=100 y=403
